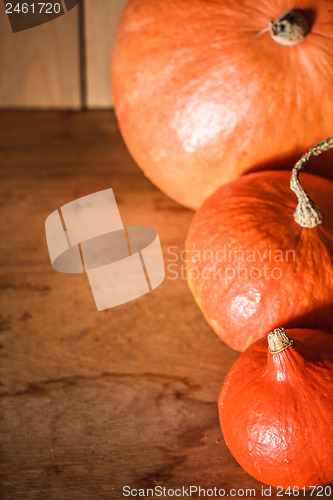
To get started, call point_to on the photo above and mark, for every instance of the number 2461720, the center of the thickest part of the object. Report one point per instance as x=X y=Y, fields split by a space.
x=33 y=8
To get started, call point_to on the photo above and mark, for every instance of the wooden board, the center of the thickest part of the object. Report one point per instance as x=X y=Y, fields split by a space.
x=96 y=401
x=101 y=19
x=40 y=67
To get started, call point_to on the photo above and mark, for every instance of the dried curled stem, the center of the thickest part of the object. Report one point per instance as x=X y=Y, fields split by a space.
x=307 y=214
x=278 y=340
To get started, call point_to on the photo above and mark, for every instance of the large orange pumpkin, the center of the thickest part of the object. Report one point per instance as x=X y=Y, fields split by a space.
x=276 y=409
x=206 y=90
x=251 y=266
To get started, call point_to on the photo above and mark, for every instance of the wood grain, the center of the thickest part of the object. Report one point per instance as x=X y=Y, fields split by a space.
x=94 y=401
x=101 y=21
x=40 y=67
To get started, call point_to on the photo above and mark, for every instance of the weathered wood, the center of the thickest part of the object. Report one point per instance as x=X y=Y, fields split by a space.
x=94 y=401
x=101 y=19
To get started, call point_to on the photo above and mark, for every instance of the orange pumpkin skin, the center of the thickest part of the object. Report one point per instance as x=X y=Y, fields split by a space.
x=251 y=267
x=202 y=97
x=276 y=411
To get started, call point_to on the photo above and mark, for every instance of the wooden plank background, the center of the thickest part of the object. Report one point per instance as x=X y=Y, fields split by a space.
x=63 y=64
x=101 y=18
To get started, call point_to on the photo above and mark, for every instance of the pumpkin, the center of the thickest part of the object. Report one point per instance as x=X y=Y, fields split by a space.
x=252 y=265
x=207 y=90
x=276 y=409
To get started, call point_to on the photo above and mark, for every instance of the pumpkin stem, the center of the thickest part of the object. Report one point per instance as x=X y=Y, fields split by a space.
x=307 y=214
x=278 y=340
x=290 y=28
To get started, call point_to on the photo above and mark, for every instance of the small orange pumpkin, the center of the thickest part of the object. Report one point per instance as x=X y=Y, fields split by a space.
x=276 y=409
x=206 y=90
x=251 y=266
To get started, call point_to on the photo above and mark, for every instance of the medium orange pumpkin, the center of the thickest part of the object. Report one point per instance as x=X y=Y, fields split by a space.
x=251 y=266
x=276 y=409
x=206 y=90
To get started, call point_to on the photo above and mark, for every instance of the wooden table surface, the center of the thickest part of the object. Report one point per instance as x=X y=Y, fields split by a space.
x=95 y=401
